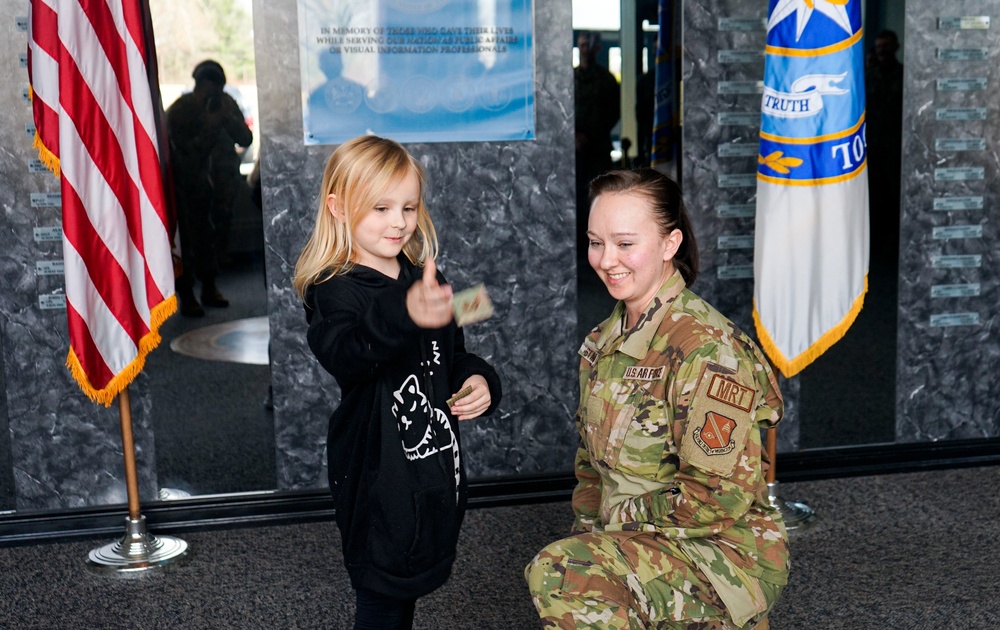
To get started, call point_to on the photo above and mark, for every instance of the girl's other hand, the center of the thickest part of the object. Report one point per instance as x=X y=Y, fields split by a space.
x=427 y=302
x=476 y=403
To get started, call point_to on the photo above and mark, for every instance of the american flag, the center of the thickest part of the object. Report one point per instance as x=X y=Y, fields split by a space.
x=95 y=113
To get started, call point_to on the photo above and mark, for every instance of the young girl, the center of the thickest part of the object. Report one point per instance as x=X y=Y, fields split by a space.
x=383 y=328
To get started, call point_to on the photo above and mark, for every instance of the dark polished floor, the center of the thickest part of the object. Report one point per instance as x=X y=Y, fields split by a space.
x=214 y=430
x=914 y=551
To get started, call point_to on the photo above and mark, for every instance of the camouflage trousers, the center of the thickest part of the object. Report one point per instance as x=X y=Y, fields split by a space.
x=626 y=581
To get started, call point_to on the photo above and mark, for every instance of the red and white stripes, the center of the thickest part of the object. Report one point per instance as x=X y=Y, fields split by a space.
x=96 y=126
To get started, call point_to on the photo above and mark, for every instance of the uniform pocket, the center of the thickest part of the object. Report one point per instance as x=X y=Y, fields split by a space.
x=631 y=434
x=606 y=425
x=648 y=435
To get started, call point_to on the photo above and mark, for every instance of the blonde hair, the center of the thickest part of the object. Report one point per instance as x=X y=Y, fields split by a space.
x=358 y=173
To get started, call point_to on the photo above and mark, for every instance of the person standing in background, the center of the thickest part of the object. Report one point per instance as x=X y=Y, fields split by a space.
x=597 y=100
x=204 y=126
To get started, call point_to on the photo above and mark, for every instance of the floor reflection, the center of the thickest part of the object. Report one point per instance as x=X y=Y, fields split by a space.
x=212 y=421
x=240 y=341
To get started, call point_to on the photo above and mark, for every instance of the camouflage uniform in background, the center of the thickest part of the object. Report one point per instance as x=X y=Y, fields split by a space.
x=673 y=527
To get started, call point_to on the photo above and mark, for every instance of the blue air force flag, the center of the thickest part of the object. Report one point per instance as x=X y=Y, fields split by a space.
x=811 y=236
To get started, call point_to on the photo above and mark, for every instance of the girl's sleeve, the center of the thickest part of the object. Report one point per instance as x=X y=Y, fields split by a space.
x=351 y=334
x=466 y=364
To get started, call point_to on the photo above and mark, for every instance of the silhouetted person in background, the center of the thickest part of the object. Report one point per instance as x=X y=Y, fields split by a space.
x=598 y=108
x=204 y=126
x=884 y=133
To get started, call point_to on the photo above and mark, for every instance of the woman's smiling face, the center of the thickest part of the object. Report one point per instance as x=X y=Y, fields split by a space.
x=627 y=250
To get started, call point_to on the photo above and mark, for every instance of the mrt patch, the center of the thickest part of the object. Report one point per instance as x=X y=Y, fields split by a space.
x=719 y=418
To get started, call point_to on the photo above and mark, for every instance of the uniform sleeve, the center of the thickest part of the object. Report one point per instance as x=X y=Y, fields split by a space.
x=351 y=335
x=587 y=493
x=719 y=458
x=718 y=441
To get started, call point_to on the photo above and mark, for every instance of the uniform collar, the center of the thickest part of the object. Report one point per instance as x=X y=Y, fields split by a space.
x=638 y=338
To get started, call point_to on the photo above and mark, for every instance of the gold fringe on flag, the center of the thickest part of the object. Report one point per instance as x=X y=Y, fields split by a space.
x=791 y=368
x=48 y=158
x=149 y=341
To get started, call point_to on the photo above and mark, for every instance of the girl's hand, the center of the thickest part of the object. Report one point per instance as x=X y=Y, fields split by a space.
x=427 y=302
x=473 y=405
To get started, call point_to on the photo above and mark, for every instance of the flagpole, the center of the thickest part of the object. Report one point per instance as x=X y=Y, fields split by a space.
x=796 y=515
x=138 y=550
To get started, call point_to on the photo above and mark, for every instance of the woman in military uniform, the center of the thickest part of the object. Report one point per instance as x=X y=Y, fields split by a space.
x=673 y=528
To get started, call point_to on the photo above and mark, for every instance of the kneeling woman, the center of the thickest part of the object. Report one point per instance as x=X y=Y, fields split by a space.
x=673 y=528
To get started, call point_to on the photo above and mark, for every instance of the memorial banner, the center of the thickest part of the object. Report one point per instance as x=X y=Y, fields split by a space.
x=811 y=235
x=416 y=70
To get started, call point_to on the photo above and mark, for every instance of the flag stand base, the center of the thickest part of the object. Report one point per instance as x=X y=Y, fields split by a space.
x=138 y=551
x=796 y=515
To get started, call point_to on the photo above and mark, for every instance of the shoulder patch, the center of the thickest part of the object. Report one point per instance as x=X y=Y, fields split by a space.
x=730 y=393
x=719 y=419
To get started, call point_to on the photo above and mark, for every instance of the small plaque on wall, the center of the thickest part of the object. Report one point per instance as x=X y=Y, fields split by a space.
x=739 y=87
x=960 y=144
x=51 y=234
x=739 y=119
x=742 y=24
x=961 y=84
x=740 y=56
x=37 y=166
x=941 y=320
x=960 y=174
x=961 y=261
x=22 y=59
x=735 y=272
x=962 y=54
x=949 y=232
x=52 y=301
x=964 y=23
x=958 y=203
x=738 y=149
x=955 y=290
x=960 y=113
x=736 y=210
x=46 y=200
x=735 y=241
x=738 y=180
x=50 y=267
x=21 y=23
x=29 y=130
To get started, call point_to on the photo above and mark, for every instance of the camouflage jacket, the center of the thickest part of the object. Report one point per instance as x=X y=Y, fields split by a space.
x=668 y=418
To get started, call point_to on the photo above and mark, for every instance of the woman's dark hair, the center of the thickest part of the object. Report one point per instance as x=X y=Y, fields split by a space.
x=664 y=196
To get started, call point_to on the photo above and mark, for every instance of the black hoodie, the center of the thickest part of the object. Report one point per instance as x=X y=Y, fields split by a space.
x=397 y=479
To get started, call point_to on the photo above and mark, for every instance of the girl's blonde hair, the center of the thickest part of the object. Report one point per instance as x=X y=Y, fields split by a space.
x=358 y=173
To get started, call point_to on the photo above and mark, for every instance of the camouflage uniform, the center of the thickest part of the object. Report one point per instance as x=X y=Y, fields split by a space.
x=673 y=527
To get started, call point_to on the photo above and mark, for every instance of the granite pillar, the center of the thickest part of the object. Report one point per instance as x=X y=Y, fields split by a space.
x=949 y=263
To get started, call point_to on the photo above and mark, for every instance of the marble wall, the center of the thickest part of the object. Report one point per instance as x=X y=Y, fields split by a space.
x=65 y=451
x=723 y=72
x=949 y=263
x=504 y=212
